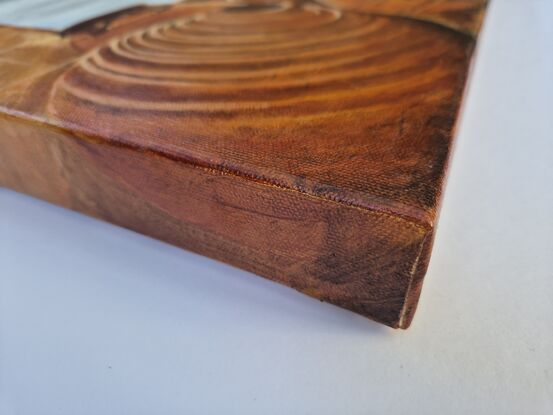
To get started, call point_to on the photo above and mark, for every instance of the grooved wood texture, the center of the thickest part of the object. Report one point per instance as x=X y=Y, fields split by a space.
x=304 y=141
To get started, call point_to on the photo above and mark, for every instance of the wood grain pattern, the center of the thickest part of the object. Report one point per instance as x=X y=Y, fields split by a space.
x=304 y=141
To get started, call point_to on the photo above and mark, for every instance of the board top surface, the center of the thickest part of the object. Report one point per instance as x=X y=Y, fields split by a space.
x=344 y=100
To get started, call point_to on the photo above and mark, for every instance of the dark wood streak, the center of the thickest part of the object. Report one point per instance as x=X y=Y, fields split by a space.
x=304 y=141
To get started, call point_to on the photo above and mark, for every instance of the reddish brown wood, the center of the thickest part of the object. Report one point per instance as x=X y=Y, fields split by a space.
x=304 y=141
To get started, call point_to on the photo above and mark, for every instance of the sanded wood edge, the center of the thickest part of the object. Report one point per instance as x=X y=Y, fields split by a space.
x=364 y=261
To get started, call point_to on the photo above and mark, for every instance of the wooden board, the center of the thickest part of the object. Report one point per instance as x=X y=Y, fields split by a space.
x=304 y=141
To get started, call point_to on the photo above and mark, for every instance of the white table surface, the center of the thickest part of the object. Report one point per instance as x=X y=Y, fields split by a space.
x=95 y=319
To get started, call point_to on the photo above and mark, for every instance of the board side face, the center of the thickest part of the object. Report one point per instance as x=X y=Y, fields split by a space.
x=368 y=262
x=349 y=100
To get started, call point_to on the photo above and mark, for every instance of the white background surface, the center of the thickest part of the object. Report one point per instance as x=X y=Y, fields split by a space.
x=95 y=319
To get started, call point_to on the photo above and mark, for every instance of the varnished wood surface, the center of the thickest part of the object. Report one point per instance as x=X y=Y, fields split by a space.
x=304 y=141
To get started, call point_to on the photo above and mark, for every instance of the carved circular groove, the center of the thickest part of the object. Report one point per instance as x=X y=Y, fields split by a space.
x=275 y=59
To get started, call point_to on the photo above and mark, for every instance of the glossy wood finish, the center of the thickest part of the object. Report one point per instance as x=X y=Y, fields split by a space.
x=304 y=141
